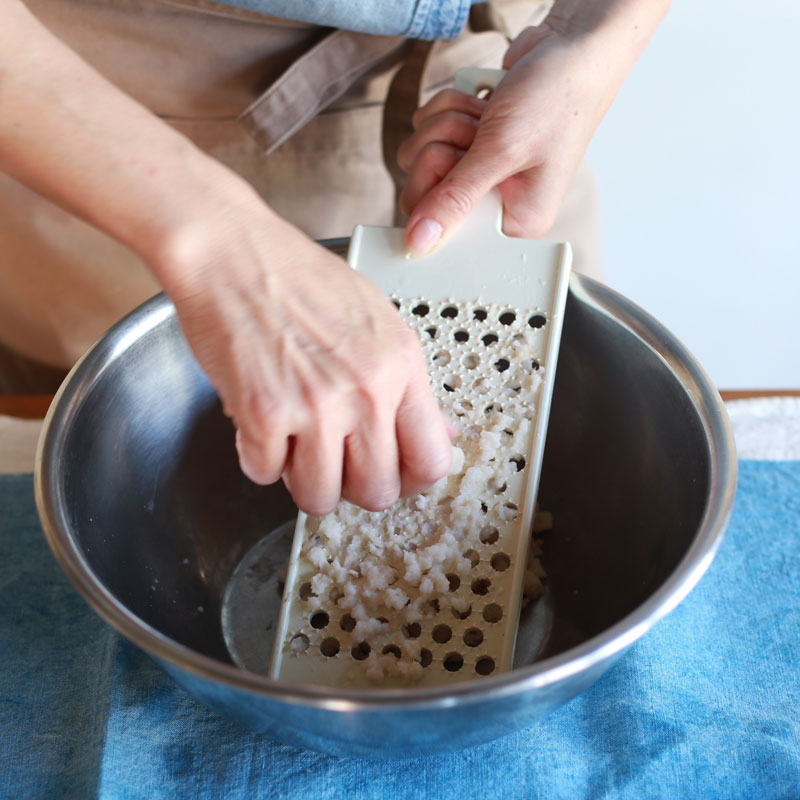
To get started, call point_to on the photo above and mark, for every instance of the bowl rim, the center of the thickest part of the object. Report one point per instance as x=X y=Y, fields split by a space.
x=581 y=658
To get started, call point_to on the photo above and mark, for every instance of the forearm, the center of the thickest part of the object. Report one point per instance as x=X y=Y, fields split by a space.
x=75 y=138
x=625 y=26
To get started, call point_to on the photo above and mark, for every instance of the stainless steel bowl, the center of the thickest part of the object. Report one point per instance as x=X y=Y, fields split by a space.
x=144 y=506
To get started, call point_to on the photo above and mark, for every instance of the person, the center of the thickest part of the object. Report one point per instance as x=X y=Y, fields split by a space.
x=132 y=184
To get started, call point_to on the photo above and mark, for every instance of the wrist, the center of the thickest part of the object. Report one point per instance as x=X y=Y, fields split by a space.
x=629 y=23
x=194 y=245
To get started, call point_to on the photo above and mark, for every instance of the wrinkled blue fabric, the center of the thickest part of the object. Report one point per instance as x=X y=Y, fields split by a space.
x=416 y=19
x=706 y=705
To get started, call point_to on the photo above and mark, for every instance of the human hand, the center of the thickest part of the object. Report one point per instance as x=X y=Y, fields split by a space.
x=528 y=137
x=324 y=381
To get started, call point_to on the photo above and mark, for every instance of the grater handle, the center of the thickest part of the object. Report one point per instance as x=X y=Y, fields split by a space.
x=488 y=212
x=474 y=80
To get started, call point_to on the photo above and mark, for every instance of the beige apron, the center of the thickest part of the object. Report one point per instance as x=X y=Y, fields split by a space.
x=236 y=84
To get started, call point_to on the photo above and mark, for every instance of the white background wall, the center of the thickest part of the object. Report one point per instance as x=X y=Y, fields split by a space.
x=698 y=168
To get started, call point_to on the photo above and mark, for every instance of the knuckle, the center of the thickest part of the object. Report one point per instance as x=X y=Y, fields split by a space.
x=458 y=199
x=437 y=158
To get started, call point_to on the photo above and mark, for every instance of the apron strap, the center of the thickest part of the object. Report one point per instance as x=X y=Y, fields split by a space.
x=314 y=81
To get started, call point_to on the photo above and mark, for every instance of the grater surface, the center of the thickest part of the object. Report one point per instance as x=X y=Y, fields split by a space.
x=428 y=592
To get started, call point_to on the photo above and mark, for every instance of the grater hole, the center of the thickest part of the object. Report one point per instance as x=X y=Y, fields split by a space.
x=497 y=486
x=329 y=647
x=470 y=361
x=473 y=556
x=319 y=620
x=461 y=336
x=484 y=665
x=442 y=634
x=481 y=586
x=335 y=594
x=391 y=650
x=412 y=630
x=507 y=318
x=347 y=623
x=462 y=407
x=500 y=562
x=299 y=643
x=453 y=662
x=425 y=657
x=508 y=511
x=493 y=613
x=537 y=321
x=421 y=310
x=431 y=332
x=449 y=312
x=441 y=359
x=480 y=314
x=493 y=407
x=396 y=304
x=453 y=580
x=430 y=608
x=502 y=364
x=462 y=613
x=305 y=591
x=452 y=383
x=489 y=535
x=518 y=462
x=360 y=651
x=482 y=386
x=473 y=637
x=489 y=339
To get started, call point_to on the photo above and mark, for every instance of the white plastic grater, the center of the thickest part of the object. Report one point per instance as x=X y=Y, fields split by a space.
x=436 y=600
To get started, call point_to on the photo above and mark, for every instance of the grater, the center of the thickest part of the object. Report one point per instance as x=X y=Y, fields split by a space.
x=434 y=597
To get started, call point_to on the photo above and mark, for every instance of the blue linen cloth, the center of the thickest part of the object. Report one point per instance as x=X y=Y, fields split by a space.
x=706 y=705
x=416 y=19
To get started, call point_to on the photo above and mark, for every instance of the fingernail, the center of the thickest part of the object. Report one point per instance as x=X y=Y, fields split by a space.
x=244 y=461
x=424 y=235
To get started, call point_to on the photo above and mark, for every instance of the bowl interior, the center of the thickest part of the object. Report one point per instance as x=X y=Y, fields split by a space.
x=156 y=503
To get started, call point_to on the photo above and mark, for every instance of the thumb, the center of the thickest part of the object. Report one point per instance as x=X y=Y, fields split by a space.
x=449 y=202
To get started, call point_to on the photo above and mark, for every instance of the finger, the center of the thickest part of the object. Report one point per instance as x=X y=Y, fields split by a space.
x=433 y=163
x=450 y=127
x=371 y=467
x=314 y=469
x=262 y=458
x=423 y=439
x=451 y=199
x=531 y=200
x=449 y=100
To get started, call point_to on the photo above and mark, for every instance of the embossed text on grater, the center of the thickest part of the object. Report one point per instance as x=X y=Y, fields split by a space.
x=433 y=598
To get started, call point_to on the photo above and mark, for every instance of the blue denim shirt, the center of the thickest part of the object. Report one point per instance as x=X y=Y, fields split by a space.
x=417 y=19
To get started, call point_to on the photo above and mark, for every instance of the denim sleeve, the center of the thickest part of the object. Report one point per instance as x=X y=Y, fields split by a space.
x=417 y=19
